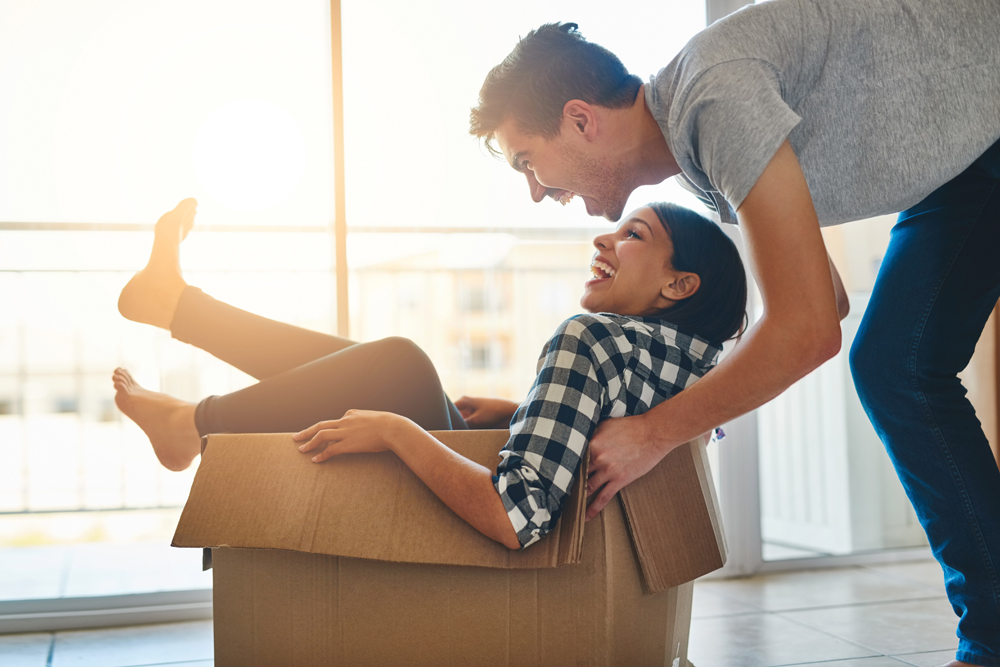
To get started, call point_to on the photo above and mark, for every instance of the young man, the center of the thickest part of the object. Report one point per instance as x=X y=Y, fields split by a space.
x=784 y=117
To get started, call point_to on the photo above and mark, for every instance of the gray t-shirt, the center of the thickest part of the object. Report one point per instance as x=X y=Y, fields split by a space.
x=883 y=101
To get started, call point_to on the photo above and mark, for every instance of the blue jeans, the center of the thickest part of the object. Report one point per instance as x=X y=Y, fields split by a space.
x=938 y=283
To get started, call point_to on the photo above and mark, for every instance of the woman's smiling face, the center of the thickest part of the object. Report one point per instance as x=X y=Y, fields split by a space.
x=633 y=273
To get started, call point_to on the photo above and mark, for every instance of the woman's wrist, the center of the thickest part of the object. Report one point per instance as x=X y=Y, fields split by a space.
x=400 y=430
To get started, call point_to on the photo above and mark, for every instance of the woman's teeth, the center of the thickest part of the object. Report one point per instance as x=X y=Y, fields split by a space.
x=566 y=197
x=602 y=269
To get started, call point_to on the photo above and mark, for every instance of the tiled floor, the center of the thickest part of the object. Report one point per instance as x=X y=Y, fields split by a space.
x=878 y=616
x=875 y=616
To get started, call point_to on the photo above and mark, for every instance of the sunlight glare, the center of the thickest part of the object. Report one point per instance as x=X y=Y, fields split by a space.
x=249 y=154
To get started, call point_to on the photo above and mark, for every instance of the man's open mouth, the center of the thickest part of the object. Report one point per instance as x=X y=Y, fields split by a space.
x=562 y=196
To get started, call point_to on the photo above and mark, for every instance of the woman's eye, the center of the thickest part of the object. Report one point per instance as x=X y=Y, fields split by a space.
x=632 y=233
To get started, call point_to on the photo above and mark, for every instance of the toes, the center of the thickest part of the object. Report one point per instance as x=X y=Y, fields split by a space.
x=182 y=208
x=122 y=379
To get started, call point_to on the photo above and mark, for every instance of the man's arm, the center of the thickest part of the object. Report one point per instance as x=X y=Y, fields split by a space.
x=843 y=304
x=798 y=331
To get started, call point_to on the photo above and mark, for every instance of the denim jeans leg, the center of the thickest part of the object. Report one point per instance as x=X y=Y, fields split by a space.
x=938 y=283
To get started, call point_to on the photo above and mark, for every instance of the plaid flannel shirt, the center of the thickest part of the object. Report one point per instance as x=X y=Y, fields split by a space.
x=595 y=366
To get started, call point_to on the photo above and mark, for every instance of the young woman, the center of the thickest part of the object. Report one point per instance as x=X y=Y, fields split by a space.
x=668 y=289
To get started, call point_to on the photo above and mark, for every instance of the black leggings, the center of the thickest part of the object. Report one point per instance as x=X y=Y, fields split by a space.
x=304 y=376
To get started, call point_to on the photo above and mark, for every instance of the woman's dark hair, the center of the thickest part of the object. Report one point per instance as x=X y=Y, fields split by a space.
x=717 y=311
x=550 y=66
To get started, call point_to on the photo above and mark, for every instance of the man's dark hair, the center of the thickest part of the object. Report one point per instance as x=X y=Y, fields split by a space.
x=549 y=67
x=717 y=311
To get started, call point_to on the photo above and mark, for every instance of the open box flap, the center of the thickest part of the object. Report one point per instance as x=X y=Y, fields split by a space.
x=673 y=518
x=258 y=491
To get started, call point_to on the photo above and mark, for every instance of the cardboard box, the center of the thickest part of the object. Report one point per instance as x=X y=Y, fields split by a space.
x=356 y=562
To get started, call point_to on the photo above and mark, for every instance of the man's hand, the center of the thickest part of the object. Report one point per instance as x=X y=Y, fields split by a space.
x=358 y=431
x=621 y=451
x=486 y=412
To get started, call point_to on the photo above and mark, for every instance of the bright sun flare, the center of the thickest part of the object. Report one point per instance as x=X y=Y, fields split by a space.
x=249 y=154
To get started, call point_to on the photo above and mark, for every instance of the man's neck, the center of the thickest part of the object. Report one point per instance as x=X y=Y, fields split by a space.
x=644 y=147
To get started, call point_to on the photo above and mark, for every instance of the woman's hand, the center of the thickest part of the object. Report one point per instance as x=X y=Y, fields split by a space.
x=486 y=412
x=356 y=432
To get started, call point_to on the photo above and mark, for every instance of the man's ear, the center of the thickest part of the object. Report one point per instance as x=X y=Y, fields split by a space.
x=681 y=286
x=580 y=118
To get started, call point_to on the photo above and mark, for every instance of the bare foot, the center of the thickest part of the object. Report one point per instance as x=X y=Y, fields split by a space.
x=167 y=422
x=958 y=663
x=151 y=296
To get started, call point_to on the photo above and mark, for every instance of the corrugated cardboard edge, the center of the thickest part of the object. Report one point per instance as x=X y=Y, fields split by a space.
x=675 y=540
x=572 y=523
x=230 y=491
x=699 y=449
x=206 y=552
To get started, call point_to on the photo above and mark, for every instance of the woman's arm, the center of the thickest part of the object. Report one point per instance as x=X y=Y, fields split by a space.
x=463 y=485
x=798 y=331
x=549 y=434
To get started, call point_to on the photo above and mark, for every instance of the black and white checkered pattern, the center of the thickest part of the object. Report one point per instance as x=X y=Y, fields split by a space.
x=594 y=367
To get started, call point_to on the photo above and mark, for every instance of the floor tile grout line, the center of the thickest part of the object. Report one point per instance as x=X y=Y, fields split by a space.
x=732 y=599
x=733 y=615
x=824 y=662
x=902 y=657
x=912 y=582
x=876 y=653
x=52 y=650
x=869 y=603
x=821 y=662
x=899 y=657
x=879 y=654
x=924 y=593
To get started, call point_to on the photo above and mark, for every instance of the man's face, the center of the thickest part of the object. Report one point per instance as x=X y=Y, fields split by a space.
x=564 y=166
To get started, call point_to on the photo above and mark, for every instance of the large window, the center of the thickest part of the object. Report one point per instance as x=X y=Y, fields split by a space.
x=112 y=111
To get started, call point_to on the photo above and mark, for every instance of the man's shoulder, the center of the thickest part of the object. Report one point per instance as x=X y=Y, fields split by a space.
x=754 y=32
